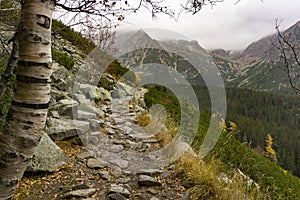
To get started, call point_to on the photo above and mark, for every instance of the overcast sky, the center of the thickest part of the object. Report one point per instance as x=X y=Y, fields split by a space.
x=226 y=25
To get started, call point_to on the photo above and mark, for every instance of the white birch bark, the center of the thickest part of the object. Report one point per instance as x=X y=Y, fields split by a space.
x=27 y=117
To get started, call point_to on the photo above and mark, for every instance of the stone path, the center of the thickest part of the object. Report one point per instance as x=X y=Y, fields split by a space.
x=127 y=156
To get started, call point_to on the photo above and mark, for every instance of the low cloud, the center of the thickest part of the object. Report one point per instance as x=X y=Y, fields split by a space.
x=227 y=25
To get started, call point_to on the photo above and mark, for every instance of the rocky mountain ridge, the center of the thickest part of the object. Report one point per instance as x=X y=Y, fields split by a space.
x=259 y=66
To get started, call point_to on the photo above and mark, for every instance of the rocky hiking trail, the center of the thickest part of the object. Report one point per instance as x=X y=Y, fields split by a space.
x=114 y=163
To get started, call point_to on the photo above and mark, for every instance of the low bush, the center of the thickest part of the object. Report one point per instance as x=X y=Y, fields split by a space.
x=63 y=59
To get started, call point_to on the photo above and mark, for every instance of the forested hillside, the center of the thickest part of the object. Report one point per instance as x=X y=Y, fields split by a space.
x=233 y=154
x=258 y=114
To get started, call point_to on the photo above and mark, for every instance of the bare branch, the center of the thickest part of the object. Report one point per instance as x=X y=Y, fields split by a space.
x=194 y=6
x=284 y=42
x=8 y=73
x=4 y=45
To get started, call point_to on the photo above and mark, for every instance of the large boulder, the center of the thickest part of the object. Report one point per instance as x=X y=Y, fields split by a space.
x=94 y=93
x=122 y=90
x=59 y=76
x=65 y=107
x=63 y=128
x=102 y=94
x=47 y=156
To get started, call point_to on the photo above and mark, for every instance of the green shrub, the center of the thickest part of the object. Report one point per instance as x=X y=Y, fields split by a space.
x=106 y=83
x=10 y=17
x=116 y=70
x=160 y=95
x=74 y=37
x=63 y=59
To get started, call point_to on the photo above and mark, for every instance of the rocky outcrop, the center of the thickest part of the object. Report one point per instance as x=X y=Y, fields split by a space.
x=122 y=90
x=47 y=156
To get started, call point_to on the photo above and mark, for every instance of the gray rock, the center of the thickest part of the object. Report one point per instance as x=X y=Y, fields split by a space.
x=171 y=167
x=145 y=180
x=66 y=106
x=102 y=94
x=100 y=113
x=152 y=191
x=93 y=138
x=150 y=172
x=186 y=196
x=84 y=155
x=122 y=90
x=110 y=131
x=120 y=120
x=96 y=163
x=69 y=48
x=95 y=124
x=116 y=148
x=142 y=196
x=59 y=76
x=118 y=142
x=81 y=98
x=114 y=188
x=57 y=94
x=223 y=178
x=165 y=174
x=120 y=163
x=86 y=88
x=123 y=180
x=64 y=128
x=54 y=114
x=79 y=187
x=47 y=156
x=82 y=115
x=116 y=171
x=127 y=129
x=139 y=136
x=105 y=175
x=151 y=140
x=117 y=196
x=81 y=193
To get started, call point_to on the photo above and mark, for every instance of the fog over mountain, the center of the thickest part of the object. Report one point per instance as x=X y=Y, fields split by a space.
x=227 y=25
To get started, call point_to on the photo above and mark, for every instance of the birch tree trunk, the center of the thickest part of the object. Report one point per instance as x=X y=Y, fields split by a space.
x=26 y=119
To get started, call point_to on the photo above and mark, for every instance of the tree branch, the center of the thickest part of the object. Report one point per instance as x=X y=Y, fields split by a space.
x=4 y=45
x=282 y=43
x=8 y=73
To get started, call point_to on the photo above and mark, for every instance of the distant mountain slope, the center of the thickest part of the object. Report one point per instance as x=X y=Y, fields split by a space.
x=259 y=66
x=264 y=49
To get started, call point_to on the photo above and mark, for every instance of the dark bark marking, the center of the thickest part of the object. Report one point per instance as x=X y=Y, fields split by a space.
x=34 y=38
x=46 y=42
x=2 y=164
x=27 y=159
x=44 y=21
x=10 y=183
x=27 y=79
x=28 y=143
x=26 y=128
x=29 y=64
x=43 y=54
x=33 y=106
x=9 y=155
